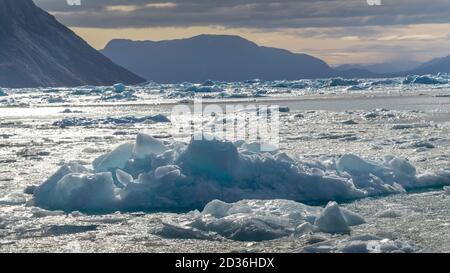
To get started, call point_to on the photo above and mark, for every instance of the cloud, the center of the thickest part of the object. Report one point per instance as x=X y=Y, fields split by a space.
x=338 y=31
x=247 y=13
x=417 y=37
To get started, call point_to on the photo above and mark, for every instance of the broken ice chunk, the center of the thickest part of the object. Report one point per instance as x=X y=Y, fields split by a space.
x=354 y=165
x=332 y=220
x=13 y=199
x=174 y=231
x=80 y=191
x=123 y=177
x=42 y=193
x=117 y=159
x=390 y=213
x=356 y=247
x=217 y=209
x=352 y=219
x=305 y=228
x=433 y=179
x=147 y=145
x=119 y=87
x=284 y=109
x=447 y=190
x=164 y=171
x=349 y=122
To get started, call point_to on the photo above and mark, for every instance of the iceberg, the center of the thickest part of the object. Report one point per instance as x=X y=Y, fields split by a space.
x=385 y=82
x=425 y=79
x=203 y=89
x=119 y=87
x=333 y=219
x=208 y=83
x=3 y=93
x=150 y=175
x=342 y=82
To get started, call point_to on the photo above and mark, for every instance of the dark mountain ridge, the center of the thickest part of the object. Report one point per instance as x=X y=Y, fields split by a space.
x=36 y=50
x=217 y=57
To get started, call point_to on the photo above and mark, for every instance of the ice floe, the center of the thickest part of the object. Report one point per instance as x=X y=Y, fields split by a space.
x=259 y=220
x=410 y=126
x=156 y=176
x=373 y=244
x=72 y=122
x=13 y=199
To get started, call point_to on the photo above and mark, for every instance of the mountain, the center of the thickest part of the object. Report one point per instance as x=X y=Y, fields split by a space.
x=433 y=67
x=36 y=50
x=382 y=68
x=214 y=57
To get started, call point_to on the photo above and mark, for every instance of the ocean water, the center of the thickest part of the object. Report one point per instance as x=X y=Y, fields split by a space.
x=389 y=117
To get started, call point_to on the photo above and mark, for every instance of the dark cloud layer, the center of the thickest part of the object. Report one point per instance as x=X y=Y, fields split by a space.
x=248 y=13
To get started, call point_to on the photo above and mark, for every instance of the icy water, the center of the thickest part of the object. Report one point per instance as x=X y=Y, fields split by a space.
x=406 y=121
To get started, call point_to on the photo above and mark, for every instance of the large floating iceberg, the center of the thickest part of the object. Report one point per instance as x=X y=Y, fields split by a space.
x=149 y=175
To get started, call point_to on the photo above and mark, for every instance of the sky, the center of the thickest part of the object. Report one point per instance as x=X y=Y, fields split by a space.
x=338 y=31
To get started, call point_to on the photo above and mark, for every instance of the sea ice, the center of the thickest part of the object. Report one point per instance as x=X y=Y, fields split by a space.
x=81 y=122
x=409 y=126
x=155 y=176
x=389 y=214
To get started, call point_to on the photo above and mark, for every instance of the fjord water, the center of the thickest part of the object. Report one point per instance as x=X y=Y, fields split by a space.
x=407 y=121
